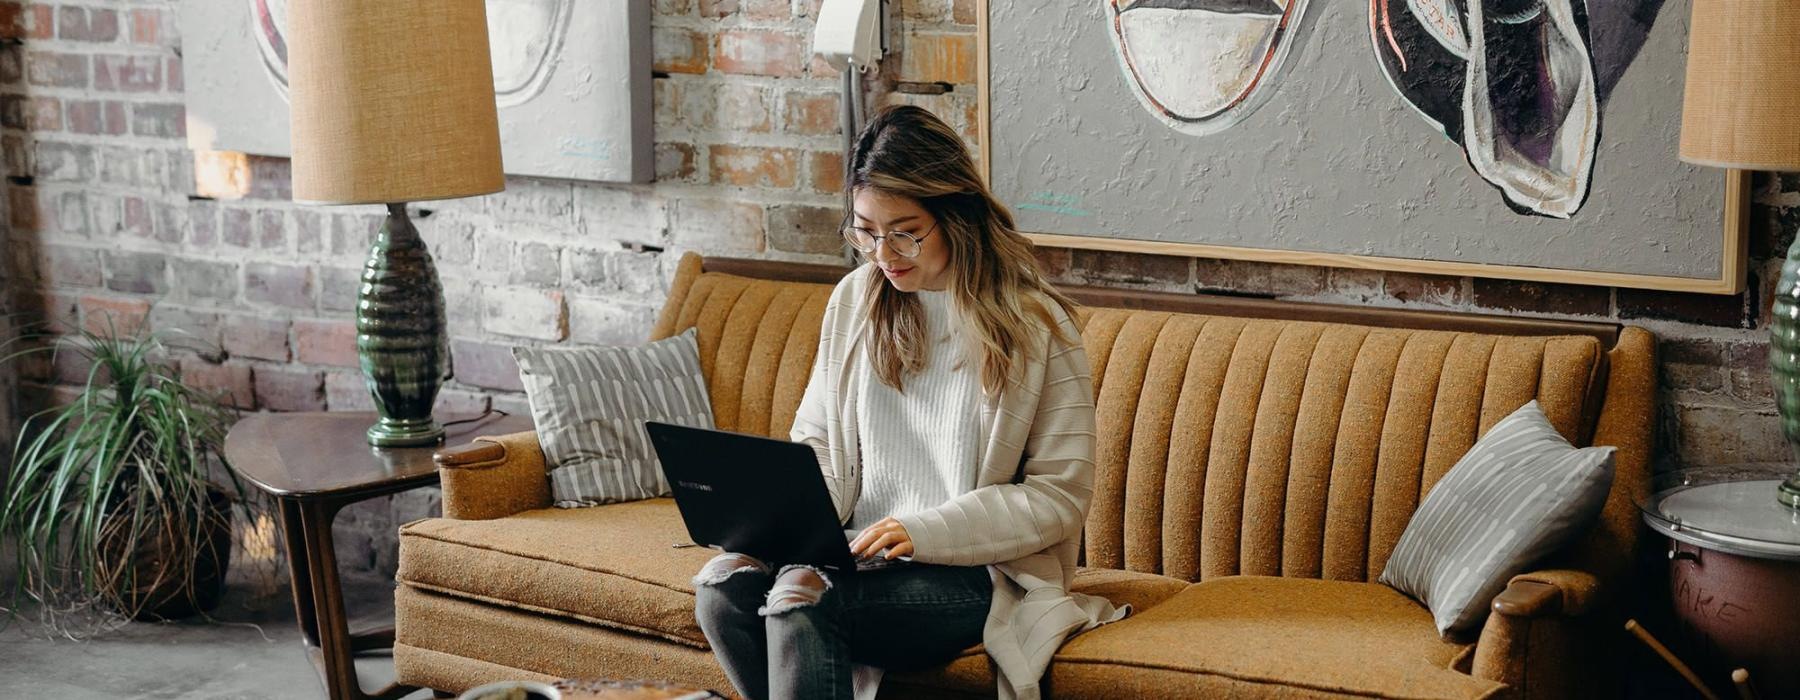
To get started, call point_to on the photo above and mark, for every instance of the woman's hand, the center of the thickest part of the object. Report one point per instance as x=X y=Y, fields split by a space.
x=888 y=534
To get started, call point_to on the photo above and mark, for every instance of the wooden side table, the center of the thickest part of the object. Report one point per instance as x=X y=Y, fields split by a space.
x=314 y=464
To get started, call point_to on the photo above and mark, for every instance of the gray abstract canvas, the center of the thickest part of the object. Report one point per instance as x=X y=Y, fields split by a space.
x=1535 y=134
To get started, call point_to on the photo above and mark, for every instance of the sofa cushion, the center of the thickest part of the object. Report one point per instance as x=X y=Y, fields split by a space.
x=1520 y=494
x=757 y=341
x=453 y=644
x=610 y=565
x=590 y=405
x=1264 y=447
x=973 y=674
x=1256 y=635
x=613 y=565
x=1142 y=591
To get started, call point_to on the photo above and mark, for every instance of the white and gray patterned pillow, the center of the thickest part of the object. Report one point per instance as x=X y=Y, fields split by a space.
x=1520 y=493
x=590 y=404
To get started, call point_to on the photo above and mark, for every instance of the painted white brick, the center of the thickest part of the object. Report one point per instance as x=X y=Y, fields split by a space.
x=537 y=200
x=625 y=214
x=524 y=312
x=718 y=226
x=609 y=321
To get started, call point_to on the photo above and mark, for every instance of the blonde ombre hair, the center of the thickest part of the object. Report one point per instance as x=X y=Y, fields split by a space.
x=993 y=274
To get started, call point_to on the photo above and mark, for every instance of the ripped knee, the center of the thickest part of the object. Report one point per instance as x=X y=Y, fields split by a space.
x=726 y=566
x=796 y=586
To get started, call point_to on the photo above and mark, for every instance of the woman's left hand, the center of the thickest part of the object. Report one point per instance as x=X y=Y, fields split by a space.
x=887 y=534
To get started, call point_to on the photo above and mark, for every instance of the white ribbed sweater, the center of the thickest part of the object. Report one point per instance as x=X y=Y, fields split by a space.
x=1024 y=517
x=920 y=443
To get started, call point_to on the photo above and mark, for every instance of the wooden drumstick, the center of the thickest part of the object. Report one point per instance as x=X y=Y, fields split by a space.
x=1643 y=635
x=1741 y=679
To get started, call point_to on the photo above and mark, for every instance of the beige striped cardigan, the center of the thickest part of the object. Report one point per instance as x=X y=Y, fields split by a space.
x=1024 y=518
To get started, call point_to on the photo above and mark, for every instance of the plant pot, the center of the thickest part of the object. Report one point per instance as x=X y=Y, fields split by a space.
x=143 y=593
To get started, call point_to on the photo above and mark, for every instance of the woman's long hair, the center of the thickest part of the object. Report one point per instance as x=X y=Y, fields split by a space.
x=909 y=152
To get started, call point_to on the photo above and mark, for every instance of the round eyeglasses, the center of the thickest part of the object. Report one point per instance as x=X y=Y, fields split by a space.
x=901 y=243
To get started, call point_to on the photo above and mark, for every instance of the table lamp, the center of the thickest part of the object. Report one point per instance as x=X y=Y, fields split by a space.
x=392 y=102
x=1742 y=110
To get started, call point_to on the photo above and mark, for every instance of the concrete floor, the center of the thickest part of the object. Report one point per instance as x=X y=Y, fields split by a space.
x=251 y=650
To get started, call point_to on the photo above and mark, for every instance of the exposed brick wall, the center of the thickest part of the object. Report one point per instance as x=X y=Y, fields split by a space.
x=106 y=219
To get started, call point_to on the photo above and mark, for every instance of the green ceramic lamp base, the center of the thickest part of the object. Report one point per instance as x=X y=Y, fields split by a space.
x=400 y=335
x=1784 y=363
x=397 y=432
x=1790 y=492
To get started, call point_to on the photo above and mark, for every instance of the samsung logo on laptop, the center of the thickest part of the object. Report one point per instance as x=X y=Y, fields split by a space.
x=695 y=485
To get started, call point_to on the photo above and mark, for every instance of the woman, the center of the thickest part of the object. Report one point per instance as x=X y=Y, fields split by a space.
x=952 y=411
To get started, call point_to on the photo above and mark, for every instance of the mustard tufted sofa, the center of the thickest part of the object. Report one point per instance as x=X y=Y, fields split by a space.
x=1257 y=463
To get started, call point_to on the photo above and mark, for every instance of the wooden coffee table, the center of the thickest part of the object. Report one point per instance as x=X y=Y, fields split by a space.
x=605 y=689
x=314 y=464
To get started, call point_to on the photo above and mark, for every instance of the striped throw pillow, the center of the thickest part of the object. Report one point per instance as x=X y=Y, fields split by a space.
x=590 y=405
x=1520 y=493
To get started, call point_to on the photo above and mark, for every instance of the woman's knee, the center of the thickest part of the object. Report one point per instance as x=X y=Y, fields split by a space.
x=729 y=586
x=797 y=586
x=721 y=568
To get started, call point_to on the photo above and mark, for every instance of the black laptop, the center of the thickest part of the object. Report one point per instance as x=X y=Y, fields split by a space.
x=753 y=495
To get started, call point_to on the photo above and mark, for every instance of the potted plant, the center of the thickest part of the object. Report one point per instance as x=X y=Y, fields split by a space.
x=110 y=502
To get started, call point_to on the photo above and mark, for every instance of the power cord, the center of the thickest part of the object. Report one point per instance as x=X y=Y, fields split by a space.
x=484 y=414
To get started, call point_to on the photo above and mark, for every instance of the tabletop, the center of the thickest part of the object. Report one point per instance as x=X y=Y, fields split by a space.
x=606 y=689
x=1728 y=508
x=324 y=454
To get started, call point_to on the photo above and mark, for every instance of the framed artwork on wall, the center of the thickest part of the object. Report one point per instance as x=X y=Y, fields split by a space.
x=571 y=80
x=1531 y=141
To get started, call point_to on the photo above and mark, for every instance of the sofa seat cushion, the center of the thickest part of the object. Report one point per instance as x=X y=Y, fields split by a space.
x=608 y=565
x=1258 y=635
x=972 y=673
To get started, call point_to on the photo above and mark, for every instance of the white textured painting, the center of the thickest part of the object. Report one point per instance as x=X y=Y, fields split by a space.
x=1517 y=84
x=1203 y=65
x=571 y=79
x=1513 y=82
x=1525 y=139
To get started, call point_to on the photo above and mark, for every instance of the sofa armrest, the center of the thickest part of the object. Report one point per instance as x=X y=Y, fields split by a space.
x=1550 y=592
x=493 y=477
x=1535 y=640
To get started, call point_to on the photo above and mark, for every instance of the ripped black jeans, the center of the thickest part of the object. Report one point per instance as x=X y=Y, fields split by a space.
x=794 y=633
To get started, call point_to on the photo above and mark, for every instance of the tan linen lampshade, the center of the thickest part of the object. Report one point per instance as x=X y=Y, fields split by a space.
x=1742 y=105
x=392 y=101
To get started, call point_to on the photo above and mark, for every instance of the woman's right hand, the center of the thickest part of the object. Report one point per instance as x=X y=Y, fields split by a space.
x=887 y=534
